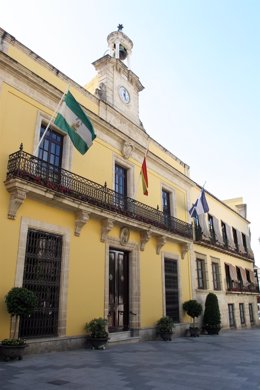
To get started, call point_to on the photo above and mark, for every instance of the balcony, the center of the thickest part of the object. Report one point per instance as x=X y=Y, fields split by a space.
x=238 y=286
x=26 y=170
x=212 y=242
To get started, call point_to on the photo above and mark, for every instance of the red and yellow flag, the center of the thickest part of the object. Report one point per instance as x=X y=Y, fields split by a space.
x=144 y=177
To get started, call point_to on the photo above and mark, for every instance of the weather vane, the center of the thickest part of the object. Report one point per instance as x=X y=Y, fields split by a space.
x=120 y=27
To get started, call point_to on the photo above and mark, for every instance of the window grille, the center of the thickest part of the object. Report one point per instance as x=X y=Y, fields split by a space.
x=42 y=275
x=171 y=289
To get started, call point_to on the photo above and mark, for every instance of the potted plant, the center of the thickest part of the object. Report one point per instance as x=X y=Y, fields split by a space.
x=97 y=335
x=20 y=302
x=164 y=327
x=212 y=317
x=194 y=310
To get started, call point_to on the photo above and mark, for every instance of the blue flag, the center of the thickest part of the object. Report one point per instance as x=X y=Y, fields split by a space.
x=200 y=206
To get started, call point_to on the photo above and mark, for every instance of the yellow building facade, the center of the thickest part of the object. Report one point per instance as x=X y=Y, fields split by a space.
x=77 y=229
x=223 y=261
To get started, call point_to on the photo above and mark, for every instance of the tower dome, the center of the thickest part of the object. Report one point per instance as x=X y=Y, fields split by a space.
x=120 y=46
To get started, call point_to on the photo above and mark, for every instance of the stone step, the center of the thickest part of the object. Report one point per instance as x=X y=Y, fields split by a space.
x=122 y=337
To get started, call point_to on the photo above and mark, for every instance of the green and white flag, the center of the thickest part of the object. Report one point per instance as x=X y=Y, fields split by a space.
x=72 y=119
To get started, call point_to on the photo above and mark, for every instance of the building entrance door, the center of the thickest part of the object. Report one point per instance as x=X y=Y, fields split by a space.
x=118 y=315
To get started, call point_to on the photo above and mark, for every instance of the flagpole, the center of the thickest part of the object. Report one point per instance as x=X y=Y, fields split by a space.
x=53 y=115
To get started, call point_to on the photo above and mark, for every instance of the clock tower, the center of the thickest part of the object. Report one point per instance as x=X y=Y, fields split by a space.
x=116 y=84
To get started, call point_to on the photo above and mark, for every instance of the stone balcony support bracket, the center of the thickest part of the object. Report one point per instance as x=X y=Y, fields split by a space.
x=107 y=226
x=81 y=219
x=144 y=238
x=161 y=241
x=184 y=249
x=17 y=197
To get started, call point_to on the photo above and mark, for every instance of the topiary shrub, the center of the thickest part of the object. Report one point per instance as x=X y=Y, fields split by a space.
x=20 y=302
x=212 y=317
x=193 y=309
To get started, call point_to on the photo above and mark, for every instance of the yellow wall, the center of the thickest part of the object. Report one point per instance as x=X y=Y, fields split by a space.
x=87 y=256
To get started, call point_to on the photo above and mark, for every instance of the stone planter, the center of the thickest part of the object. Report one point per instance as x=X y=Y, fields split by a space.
x=194 y=331
x=166 y=336
x=97 y=343
x=12 y=352
x=212 y=330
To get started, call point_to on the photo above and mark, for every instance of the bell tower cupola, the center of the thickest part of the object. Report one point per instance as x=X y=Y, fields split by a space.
x=115 y=83
x=120 y=46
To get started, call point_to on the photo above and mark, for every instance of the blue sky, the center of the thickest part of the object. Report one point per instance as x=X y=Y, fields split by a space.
x=200 y=57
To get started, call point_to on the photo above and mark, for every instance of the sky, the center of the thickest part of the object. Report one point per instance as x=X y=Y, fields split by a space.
x=199 y=61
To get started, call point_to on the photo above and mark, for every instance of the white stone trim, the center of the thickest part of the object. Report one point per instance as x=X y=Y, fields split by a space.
x=28 y=223
x=171 y=190
x=176 y=257
x=130 y=174
x=134 y=279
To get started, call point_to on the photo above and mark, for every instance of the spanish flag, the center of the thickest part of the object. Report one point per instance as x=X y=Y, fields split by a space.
x=144 y=177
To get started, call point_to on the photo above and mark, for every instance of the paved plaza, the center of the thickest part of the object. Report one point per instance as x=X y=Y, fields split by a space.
x=228 y=361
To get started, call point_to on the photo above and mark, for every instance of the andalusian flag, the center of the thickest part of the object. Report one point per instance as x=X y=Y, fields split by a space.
x=144 y=177
x=72 y=119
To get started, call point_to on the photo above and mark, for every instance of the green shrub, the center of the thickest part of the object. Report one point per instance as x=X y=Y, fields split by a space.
x=13 y=342
x=165 y=325
x=193 y=309
x=20 y=302
x=96 y=328
x=212 y=315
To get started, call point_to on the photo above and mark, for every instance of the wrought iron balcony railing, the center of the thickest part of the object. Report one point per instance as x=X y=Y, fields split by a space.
x=240 y=287
x=27 y=167
x=212 y=241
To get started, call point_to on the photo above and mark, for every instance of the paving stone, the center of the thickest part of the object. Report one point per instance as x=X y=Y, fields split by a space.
x=229 y=361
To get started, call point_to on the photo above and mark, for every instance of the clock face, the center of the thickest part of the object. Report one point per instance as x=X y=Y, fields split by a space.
x=124 y=94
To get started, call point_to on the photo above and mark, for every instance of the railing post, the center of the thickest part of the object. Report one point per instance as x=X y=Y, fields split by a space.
x=20 y=159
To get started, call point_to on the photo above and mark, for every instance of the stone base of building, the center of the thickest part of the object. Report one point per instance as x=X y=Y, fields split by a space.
x=59 y=344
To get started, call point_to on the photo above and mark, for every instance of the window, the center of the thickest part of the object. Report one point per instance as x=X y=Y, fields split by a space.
x=201 y=274
x=171 y=289
x=231 y=315
x=251 y=313
x=198 y=230
x=50 y=151
x=242 y=314
x=240 y=278
x=216 y=276
x=244 y=242
x=235 y=238
x=121 y=180
x=42 y=270
x=120 y=185
x=166 y=202
x=211 y=228
x=166 y=207
x=224 y=233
